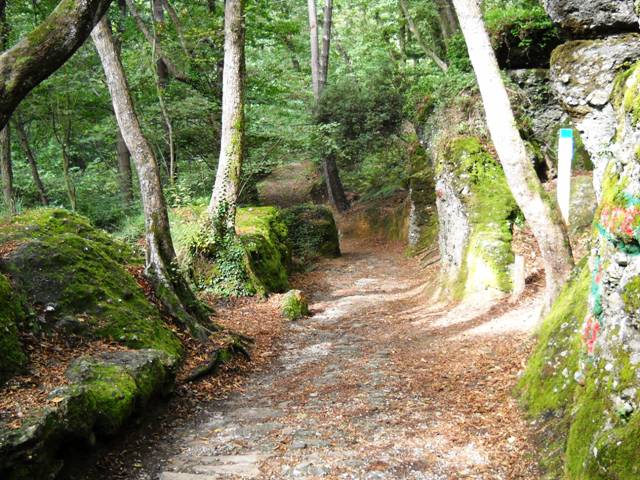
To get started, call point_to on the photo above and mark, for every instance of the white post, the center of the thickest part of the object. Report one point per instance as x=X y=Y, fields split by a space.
x=565 y=159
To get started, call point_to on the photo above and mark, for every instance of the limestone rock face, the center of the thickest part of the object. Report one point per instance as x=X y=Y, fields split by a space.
x=582 y=76
x=584 y=18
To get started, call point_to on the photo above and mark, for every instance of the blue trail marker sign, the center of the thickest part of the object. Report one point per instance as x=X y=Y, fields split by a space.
x=565 y=159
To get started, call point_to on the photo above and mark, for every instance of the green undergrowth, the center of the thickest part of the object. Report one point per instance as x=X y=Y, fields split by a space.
x=491 y=212
x=294 y=305
x=74 y=278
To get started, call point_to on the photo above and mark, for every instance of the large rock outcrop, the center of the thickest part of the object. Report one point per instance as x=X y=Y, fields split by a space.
x=586 y=18
x=584 y=378
x=583 y=74
x=476 y=211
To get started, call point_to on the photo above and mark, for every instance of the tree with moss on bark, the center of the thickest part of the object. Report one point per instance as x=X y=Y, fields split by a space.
x=161 y=265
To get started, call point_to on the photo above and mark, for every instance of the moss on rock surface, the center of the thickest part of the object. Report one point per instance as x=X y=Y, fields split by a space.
x=294 y=305
x=12 y=313
x=312 y=231
x=73 y=275
x=467 y=170
x=257 y=261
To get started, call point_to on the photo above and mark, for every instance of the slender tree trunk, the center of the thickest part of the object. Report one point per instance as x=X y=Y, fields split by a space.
x=541 y=214
x=326 y=42
x=124 y=170
x=315 y=56
x=447 y=19
x=5 y=134
x=416 y=33
x=68 y=181
x=170 y=287
x=124 y=156
x=212 y=6
x=222 y=207
x=25 y=65
x=6 y=170
x=31 y=159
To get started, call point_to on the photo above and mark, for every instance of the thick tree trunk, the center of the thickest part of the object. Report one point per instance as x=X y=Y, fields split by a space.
x=541 y=214
x=315 y=56
x=170 y=287
x=222 y=207
x=31 y=159
x=335 y=190
x=43 y=51
x=6 y=170
x=326 y=42
x=416 y=33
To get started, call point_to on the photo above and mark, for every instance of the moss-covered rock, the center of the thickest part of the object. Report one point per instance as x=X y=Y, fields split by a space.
x=294 y=305
x=256 y=261
x=12 y=313
x=73 y=276
x=476 y=247
x=103 y=393
x=312 y=232
x=584 y=379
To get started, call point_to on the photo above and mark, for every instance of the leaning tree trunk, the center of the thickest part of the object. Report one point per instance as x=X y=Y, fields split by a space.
x=6 y=170
x=335 y=190
x=170 y=287
x=43 y=51
x=222 y=208
x=124 y=170
x=31 y=159
x=541 y=214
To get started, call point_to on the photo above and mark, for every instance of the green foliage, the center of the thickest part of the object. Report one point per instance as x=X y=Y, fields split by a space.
x=519 y=19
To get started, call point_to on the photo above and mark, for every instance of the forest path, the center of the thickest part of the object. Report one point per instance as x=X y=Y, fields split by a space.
x=375 y=385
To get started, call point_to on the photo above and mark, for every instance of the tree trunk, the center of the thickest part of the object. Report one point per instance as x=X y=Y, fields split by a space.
x=43 y=51
x=31 y=159
x=315 y=58
x=447 y=19
x=539 y=211
x=170 y=287
x=124 y=170
x=335 y=190
x=8 y=194
x=212 y=6
x=326 y=43
x=124 y=156
x=68 y=181
x=416 y=33
x=222 y=207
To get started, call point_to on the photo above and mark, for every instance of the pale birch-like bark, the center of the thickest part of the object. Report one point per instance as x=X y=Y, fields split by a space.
x=315 y=55
x=171 y=288
x=222 y=208
x=541 y=214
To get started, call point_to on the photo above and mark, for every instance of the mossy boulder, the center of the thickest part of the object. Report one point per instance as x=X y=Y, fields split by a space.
x=312 y=232
x=73 y=276
x=256 y=261
x=476 y=212
x=12 y=314
x=103 y=393
x=294 y=305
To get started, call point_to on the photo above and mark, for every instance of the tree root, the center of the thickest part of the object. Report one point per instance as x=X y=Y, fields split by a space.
x=236 y=344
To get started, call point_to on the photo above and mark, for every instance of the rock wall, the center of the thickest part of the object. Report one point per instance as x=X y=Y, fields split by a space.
x=583 y=380
x=587 y=18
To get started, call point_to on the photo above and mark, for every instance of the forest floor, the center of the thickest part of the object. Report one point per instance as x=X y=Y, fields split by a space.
x=379 y=383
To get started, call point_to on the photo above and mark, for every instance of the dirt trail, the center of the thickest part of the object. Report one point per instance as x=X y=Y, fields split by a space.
x=379 y=384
